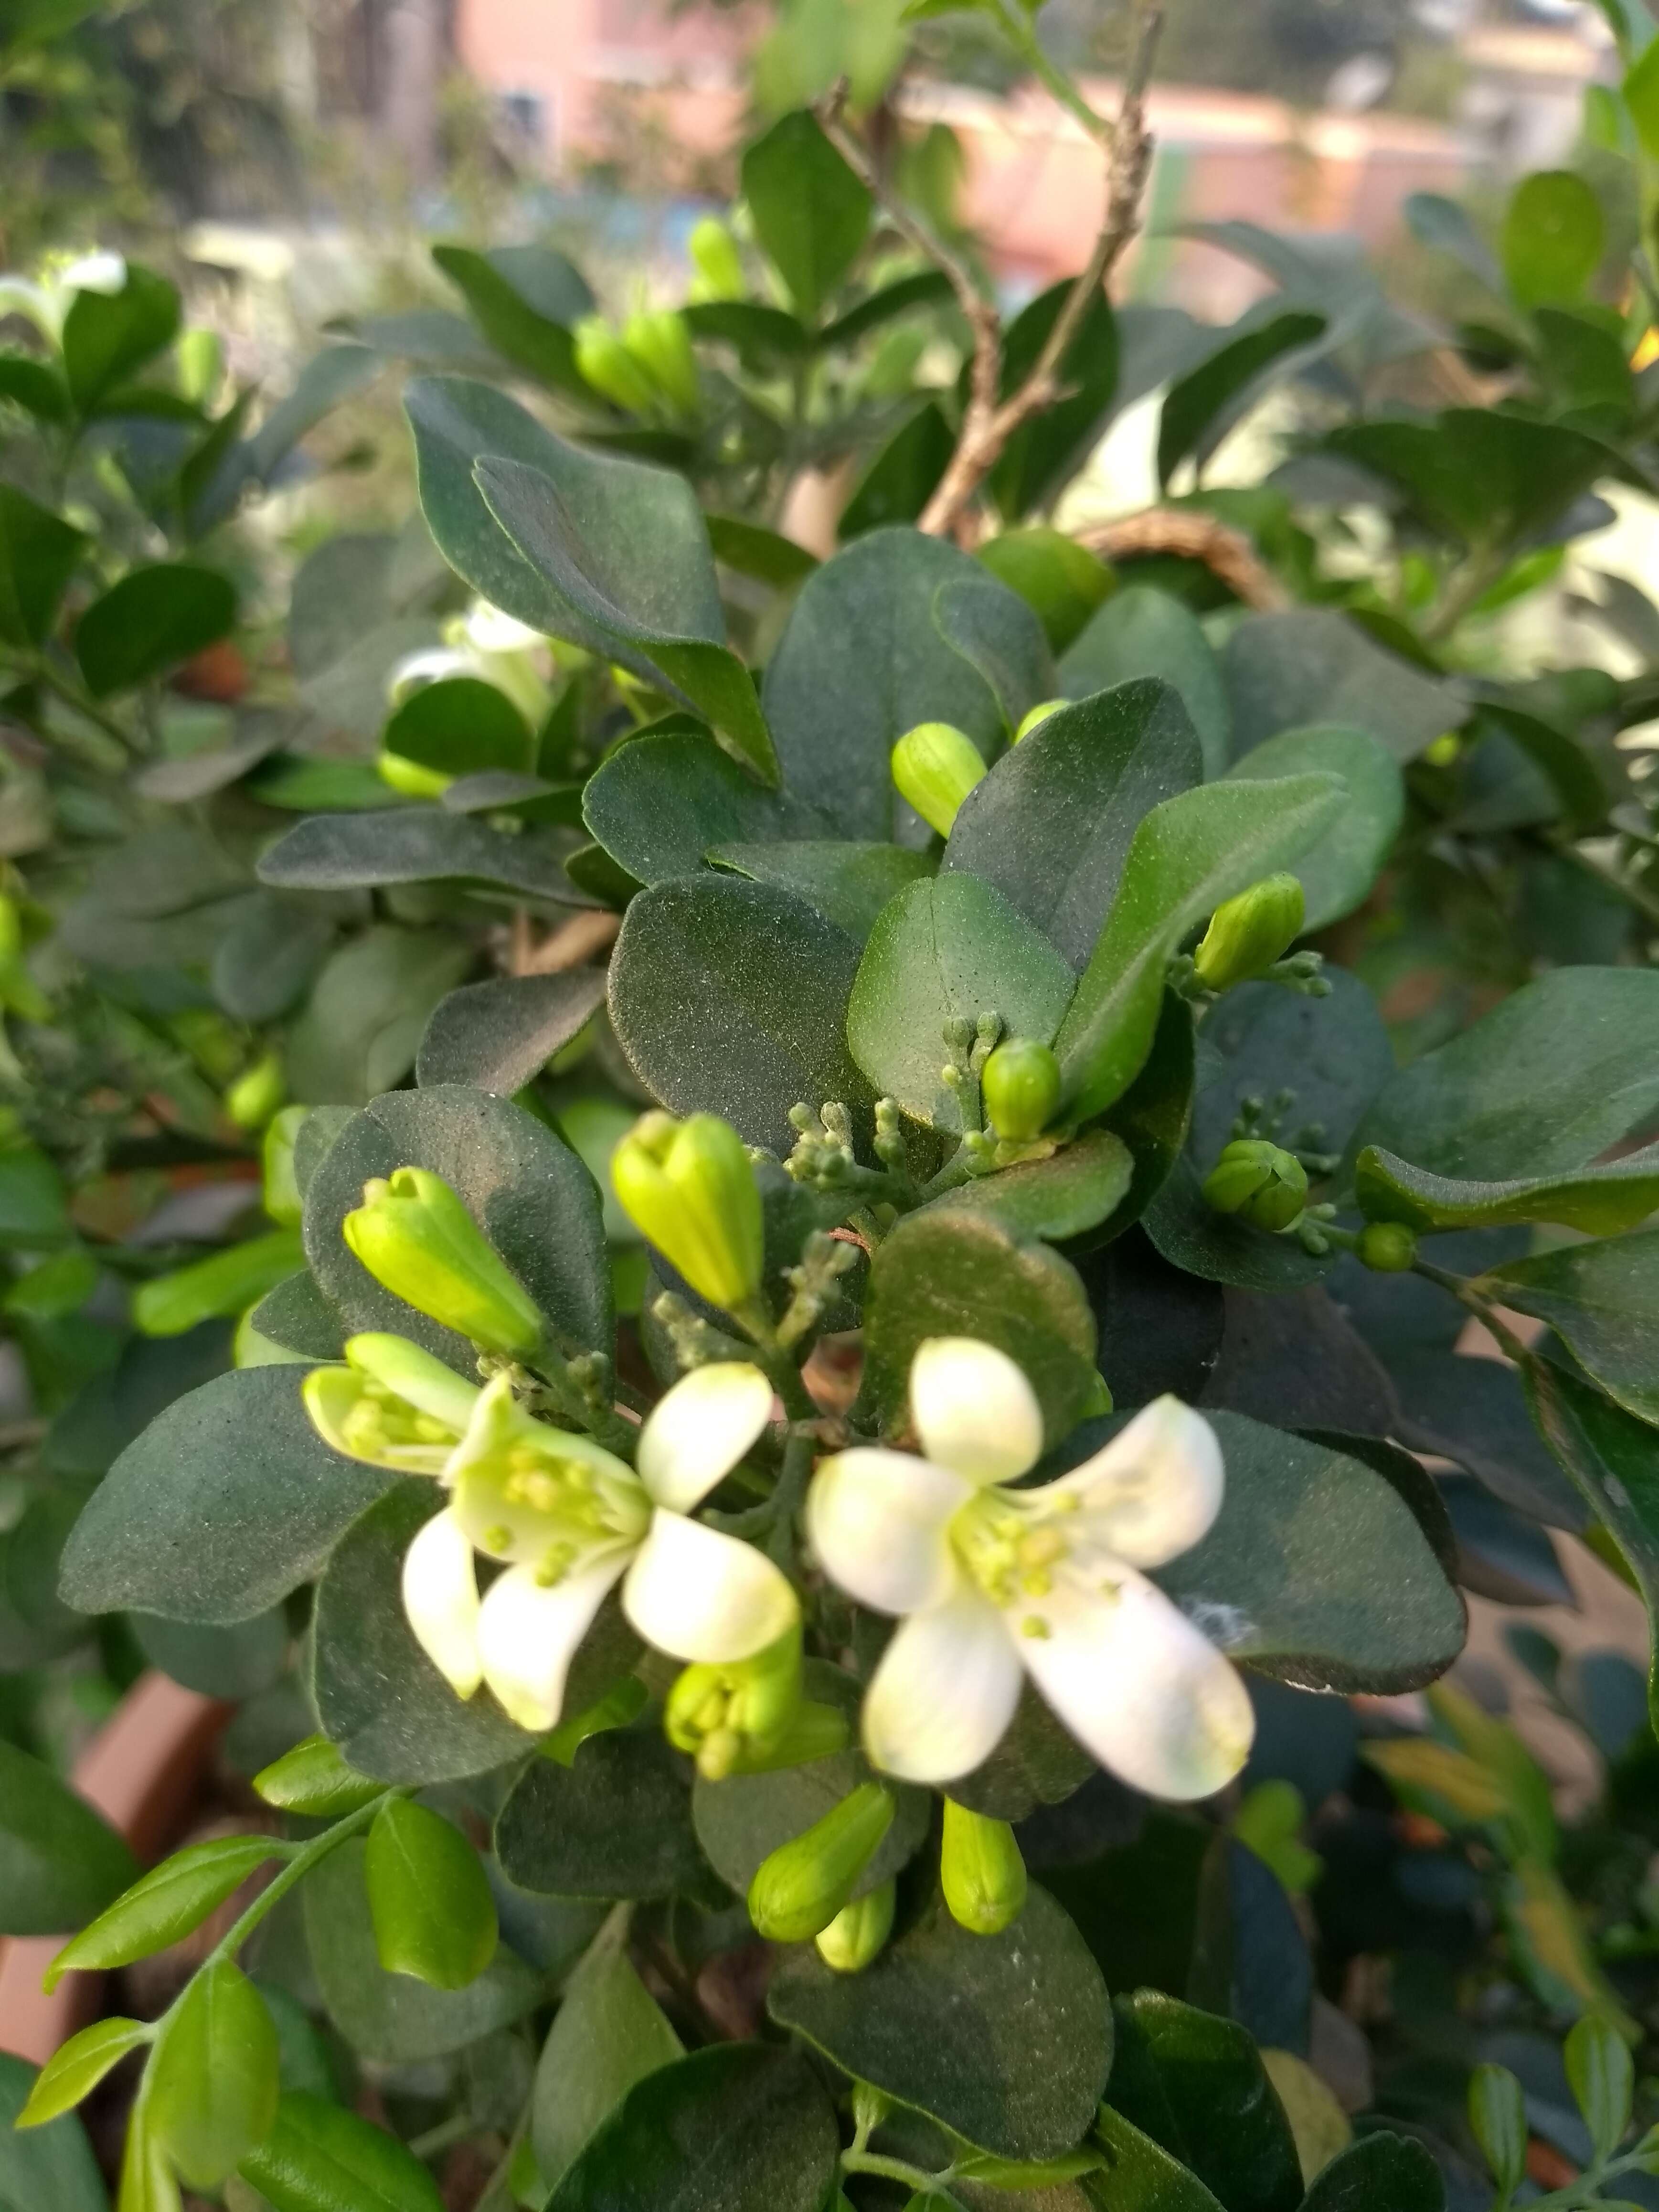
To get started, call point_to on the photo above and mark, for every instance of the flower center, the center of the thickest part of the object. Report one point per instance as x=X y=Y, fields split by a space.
x=528 y=1505
x=382 y=1425
x=1012 y=1545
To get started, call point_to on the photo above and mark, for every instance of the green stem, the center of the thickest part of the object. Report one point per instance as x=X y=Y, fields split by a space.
x=1482 y=569
x=1018 y=31
x=897 y=2169
x=72 y=695
x=301 y=1859
x=1462 y=1289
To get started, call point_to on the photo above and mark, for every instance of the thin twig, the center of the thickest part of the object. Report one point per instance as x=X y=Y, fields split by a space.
x=566 y=946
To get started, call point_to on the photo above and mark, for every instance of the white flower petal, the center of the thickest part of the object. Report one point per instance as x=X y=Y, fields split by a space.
x=878 y=1521
x=104 y=271
x=1139 y=1686
x=528 y=1636
x=703 y=1596
x=1153 y=1491
x=945 y=1691
x=492 y=630
x=440 y=1599
x=700 y=1430
x=974 y=1409
x=433 y=664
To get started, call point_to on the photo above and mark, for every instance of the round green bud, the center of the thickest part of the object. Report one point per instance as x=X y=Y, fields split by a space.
x=980 y=1871
x=419 y=1242
x=715 y=258
x=800 y=1888
x=935 y=767
x=411 y=777
x=1250 y=932
x=1387 y=1246
x=1038 y=716
x=603 y=361
x=661 y=344
x=1021 y=1088
x=855 y=1936
x=1259 y=1182
x=257 y=1092
x=688 y=1188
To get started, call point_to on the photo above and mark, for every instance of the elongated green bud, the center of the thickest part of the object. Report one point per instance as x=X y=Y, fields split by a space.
x=1021 y=1088
x=935 y=767
x=980 y=1871
x=661 y=344
x=280 y=1193
x=216 y=1287
x=605 y=363
x=855 y=1936
x=411 y=777
x=715 y=258
x=257 y=1092
x=1388 y=1247
x=1038 y=716
x=1259 y=1182
x=728 y=1715
x=418 y=1241
x=688 y=1188
x=804 y=1884
x=1250 y=932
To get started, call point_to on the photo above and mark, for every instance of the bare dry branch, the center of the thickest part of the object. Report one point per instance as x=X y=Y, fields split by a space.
x=1191 y=535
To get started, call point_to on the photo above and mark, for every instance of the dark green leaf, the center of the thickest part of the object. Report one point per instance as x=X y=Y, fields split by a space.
x=609 y=2033
x=428 y=1899
x=496 y=1036
x=1036 y=1764
x=59 y=1864
x=730 y=998
x=659 y=805
x=998 y=633
x=212 y=2087
x=1477 y=475
x=1312 y=666
x=928 y=288
x=227 y=1501
x=962 y=1274
x=1443 y=224
x=268 y=955
x=460 y=725
x=320 y=2158
x=1062 y=582
x=1153 y=1114
x=1338 y=872
x=1379 y=2170
x=750 y=549
x=1140 y=2175
x=334 y=374
x=1202 y=405
x=414 y=844
x=1316 y=1064
x=1554 y=236
x=811 y=213
x=165 y=1904
x=45 y=2169
x=1006 y=2039
x=948 y=948
x=762 y=336
x=848 y=884
x=1291 y=1359
x=738 y=2128
x=1471 y=1411
x=1599 y=1200
x=38 y=554
x=359 y=1031
x=1065 y=1196
x=1196 y=2085
x=616 y=1822
x=904 y=476
x=1051 y=825
x=1140 y=632
x=526 y=299
x=1047 y=449
x=235 y=1661
x=108 y=336
x=34 y=386
x=152 y=619
x=1602 y=1301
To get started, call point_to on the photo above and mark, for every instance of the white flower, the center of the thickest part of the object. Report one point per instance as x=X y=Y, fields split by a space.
x=566 y=1519
x=993 y=1583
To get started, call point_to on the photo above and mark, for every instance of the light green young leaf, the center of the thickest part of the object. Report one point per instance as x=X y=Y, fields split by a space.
x=1602 y=2076
x=165 y=1904
x=212 y=2090
x=609 y=2033
x=314 y=1781
x=1497 y=2116
x=428 y=1898
x=320 y=2158
x=76 y=2068
x=811 y=213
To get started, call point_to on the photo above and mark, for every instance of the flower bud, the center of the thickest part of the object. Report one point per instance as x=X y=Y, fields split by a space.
x=1259 y=1182
x=1250 y=932
x=729 y=1714
x=280 y=1194
x=980 y=1871
x=411 y=777
x=804 y=1884
x=1389 y=1246
x=688 y=1188
x=390 y=1405
x=1021 y=1088
x=1038 y=716
x=257 y=1092
x=715 y=258
x=661 y=344
x=418 y=1241
x=604 y=362
x=935 y=767
x=855 y=1937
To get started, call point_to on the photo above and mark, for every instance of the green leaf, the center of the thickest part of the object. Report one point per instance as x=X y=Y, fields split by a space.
x=233 y=1661
x=320 y=2158
x=862 y=659
x=414 y=845
x=1075 y=1191
x=1641 y=90
x=497 y=1036
x=1599 y=1200
x=1312 y=666
x=1379 y=2169
x=1337 y=874
x=1200 y=407
x=360 y=1030
x=165 y=1904
x=1048 y=449
x=315 y=1782
x=609 y=2033
x=849 y=884
x=1062 y=582
x=227 y=1501
x=947 y=948
x=762 y=337
x=332 y=376
x=429 y=1899
x=212 y=2088
x=1331 y=1056
x=1140 y=632
x=526 y=299
x=1187 y=856
x=221 y=1286
x=298 y=1317
x=1553 y=237
x=1603 y=2079
x=392 y=2019
x=50 y=2167
x=1602 y=1301
x=1540 y=1086
x=616 y=1822
x=926 y=288
x=108 y=336
x=634 y=522
x=1497 y=2119
x=1050 y=826
x=38 y=554
x=1317 y=1570
x=151 y=620
x=527 y=1191
x=1141 y=2173
x=1478 y=476
x=658 y=805
x=615 y=605
x=730 y=998
x=1197 y=2086
x=1581 y=360
x=738 y=2128
x=76 y=2068
x=1006 y=2039
x=902 y=477
x=750 y=549
x=963 y=1274
x=1444 y=225
x=1036 y=1764
x=811 y=213
x=31 y=385
x=1153 y=1115
x=59 y=1863
x=460 y=725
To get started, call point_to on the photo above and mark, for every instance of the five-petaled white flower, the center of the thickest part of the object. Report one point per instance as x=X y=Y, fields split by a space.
x=565 y=1518
x=993 y=1583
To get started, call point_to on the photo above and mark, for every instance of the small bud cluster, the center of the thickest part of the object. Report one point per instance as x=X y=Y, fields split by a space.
x=647 y=368
x=823 y=1261
x=1258 y=1182
x=823 y=1157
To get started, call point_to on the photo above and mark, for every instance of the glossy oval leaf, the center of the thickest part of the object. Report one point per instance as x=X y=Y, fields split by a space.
x=811 y=213
x=38 y=554
x=527 y=299
x=608 y=2034
x=616 y=1822
x=212 y=2089
x=1552 y=238
x=428 y=1899
x=460 y=725
x=414 y=845
x=1200 y=407
x=849 y=884
x=1379 y=2169
x=1602 y=1301
x=1311 y=666
x=76 y=2068
x=319 y=2157
x=1079 y=1188
x=1315 y=1064
x=1599 y=1200
x=165 y=1904
x=1195 y=2083
x=109 y=336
